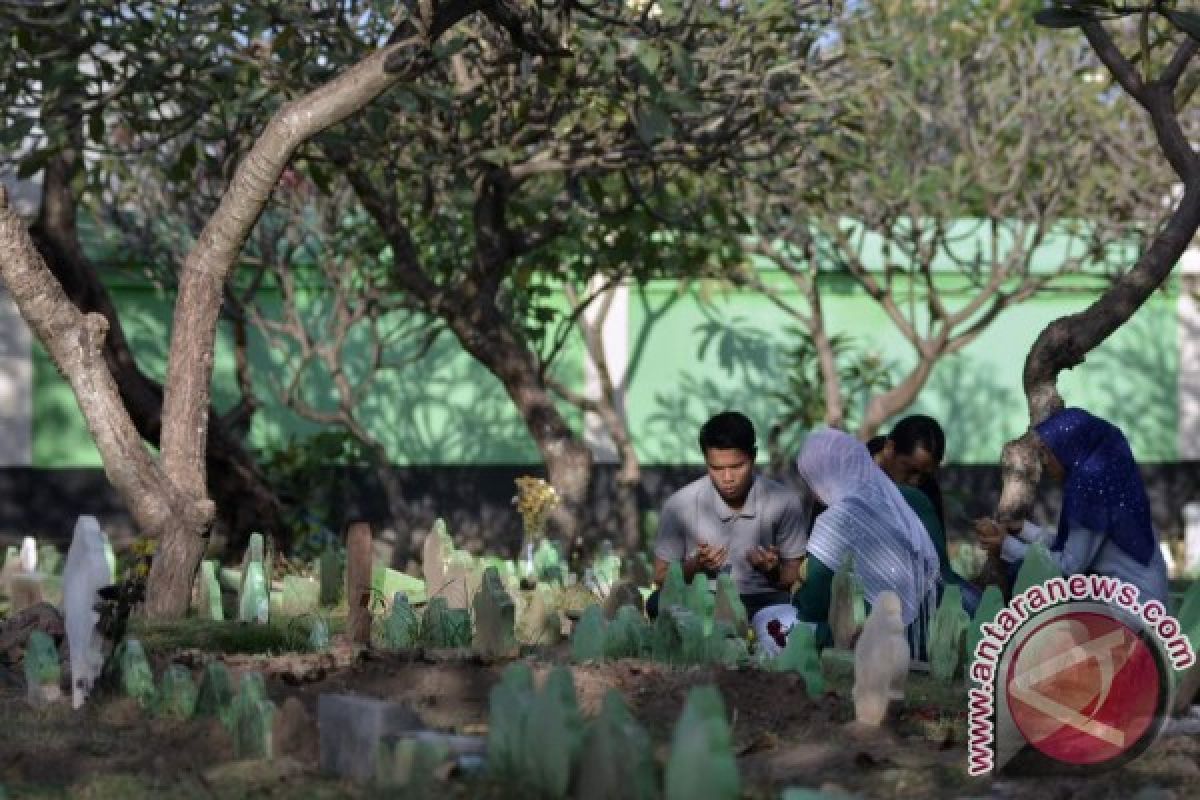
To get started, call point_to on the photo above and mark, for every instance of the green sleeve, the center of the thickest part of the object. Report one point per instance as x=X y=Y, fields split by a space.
x=812 y=598
x=924 y=510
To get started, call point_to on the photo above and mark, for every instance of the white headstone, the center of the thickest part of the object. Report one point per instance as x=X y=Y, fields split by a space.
x=880 y=660
x=29 y=555
x=85 y=572
x=1191 y=526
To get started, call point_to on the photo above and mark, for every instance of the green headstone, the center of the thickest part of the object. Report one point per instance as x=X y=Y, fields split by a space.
x=699 y=600
x=989 y=606
x=674 y=589
x=444 y=627
x=617 y=758
x=508 y=711
x=727 y=648
x=729 y=607
x=301 y=595
x=627 y=636
x=495 y=619
x=1037 y=568
x=411 y=764
x=177 y=697
x=538 y=622
x=553 y=735
x=847 y=604
x=318 y=635
x=254 y=603
x=606 y=566
x=210 y=591
x=800 y=655
x=41 y=662
x=214 y=698
x=701 y=764
x=137 y=680
x=679 y=637
x=401 y=629
x=333 y=579
x=947 y=636
x=548 y=562
x=587 y=640
x=1189 y=612
x=251 y=716
x=50 y=561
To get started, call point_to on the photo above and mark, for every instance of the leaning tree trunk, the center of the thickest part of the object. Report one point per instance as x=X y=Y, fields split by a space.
x=75 y=342
x=245 y=502
x=1067 y=341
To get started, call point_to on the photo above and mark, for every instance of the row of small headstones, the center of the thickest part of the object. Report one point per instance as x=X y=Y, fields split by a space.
x=539 y=745
x=954 y=634
x=538 y=741
x=247 y=714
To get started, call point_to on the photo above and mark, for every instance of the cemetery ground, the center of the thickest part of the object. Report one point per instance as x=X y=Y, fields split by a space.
x=781 y=738
x=472 y=682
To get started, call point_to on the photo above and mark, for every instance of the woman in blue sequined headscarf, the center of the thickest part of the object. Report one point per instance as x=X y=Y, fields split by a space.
x=1105 y=526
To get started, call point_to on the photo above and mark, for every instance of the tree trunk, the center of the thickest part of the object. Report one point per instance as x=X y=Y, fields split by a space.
x=75 y=342
x=245 y=502
x=484 y=333
x=1064 y=343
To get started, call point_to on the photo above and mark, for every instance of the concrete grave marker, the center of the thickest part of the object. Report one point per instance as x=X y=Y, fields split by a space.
x=947 y=636
x=617 y=758
x=85 y=573
x=881 y=660
x=254 y=603
x=847 y=605
x=800 y=655
x=214 y=698
x=401 y=628
x=352 y=729
x=177 y=697
x=42 y=670
x=701 y=764
x=137 y=680
x=728 y=606
x=359 y=559
x=495 y=620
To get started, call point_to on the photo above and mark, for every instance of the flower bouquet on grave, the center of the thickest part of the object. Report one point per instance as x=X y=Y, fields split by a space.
x=535 y=499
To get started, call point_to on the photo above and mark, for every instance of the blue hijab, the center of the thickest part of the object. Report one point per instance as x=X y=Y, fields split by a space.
x=1102 y=490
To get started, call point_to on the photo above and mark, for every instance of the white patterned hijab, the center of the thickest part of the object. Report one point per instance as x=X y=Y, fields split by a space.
x=868 y=517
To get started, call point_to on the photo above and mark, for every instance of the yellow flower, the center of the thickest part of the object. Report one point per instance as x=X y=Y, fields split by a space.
x=534 y=501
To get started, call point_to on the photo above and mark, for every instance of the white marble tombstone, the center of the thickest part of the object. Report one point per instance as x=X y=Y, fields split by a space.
x=880 y=660
x=85 y=572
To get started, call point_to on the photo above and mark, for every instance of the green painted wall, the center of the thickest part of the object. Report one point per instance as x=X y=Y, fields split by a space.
x=445 y=409
x=448 y=410
x=682 y=378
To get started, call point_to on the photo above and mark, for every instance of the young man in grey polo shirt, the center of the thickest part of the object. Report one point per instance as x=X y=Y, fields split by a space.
x=732 y=520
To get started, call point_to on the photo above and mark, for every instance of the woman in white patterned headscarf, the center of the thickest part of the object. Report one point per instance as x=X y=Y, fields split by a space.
x=867 y=517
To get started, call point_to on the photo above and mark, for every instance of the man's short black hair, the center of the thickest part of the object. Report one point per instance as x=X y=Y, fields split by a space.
x=729 y=430
x=919 y=430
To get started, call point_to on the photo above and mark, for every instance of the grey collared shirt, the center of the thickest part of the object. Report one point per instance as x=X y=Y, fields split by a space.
x=773 y=514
